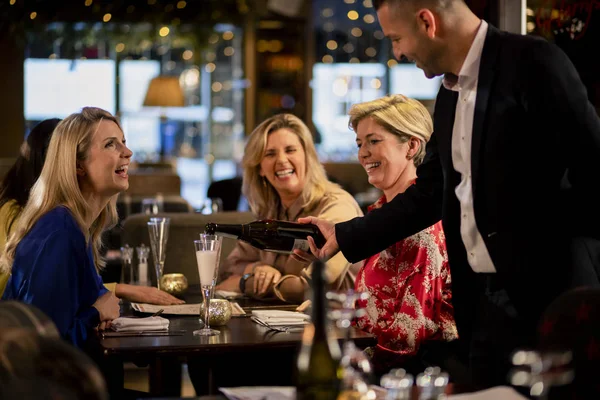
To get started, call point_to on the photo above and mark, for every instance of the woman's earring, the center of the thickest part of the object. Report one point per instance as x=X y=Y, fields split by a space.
x=264 y=182
x=408 y=156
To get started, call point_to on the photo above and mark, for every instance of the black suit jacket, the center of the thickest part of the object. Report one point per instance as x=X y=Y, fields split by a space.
x=535 y=163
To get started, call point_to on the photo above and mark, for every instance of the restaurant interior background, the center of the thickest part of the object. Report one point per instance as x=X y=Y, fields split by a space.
x=189 y=79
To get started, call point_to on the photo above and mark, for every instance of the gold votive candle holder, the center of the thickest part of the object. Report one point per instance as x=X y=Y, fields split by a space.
x=175 y=284
x=219 y=312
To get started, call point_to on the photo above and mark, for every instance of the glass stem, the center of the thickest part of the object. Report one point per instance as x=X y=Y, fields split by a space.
x=206 y=293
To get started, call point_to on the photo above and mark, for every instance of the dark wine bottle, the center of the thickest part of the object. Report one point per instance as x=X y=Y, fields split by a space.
x=271 y=235
x=318 y=359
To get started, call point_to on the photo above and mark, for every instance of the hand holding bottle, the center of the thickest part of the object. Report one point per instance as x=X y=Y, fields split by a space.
x=331 y=247
x=303 y=257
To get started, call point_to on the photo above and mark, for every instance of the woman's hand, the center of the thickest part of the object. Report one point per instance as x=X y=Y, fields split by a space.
x=107 y=306
x=331 y=247
x=231 y=284
x=145 y=294
x=265 y=277
x=104 y=325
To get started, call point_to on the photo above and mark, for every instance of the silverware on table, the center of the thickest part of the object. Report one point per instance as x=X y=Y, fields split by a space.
x=158 y=313
x=278 y=328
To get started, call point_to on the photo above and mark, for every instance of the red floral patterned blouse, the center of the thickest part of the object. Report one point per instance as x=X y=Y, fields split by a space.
x=410 y=297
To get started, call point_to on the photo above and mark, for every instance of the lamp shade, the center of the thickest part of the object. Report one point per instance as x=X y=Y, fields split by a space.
x=164 y=91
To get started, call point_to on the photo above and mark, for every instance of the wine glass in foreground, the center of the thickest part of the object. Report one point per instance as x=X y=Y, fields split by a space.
x=208 y=249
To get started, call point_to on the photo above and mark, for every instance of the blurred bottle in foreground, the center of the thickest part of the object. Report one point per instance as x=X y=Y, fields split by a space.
x=544 y=375
x=318 y=359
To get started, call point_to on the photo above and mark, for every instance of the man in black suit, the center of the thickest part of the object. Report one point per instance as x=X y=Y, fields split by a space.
x=510 y=169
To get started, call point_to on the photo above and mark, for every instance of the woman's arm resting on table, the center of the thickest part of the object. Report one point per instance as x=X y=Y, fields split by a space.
x=145 y=294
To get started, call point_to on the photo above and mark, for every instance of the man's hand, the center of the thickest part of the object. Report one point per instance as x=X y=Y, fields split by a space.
x=145 y=294
x=331 y=247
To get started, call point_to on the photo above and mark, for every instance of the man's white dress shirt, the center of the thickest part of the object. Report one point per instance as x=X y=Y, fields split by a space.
x=462 y=134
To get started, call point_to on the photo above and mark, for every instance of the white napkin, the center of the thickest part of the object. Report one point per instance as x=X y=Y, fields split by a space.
x=278 y=317
x=495 y=393
x=260 y=393
x=152 y=324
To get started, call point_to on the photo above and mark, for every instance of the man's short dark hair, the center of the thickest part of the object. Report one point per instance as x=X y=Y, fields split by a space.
x=417 y=3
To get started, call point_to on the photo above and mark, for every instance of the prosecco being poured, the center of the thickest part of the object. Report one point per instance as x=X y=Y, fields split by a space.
x=270 y=235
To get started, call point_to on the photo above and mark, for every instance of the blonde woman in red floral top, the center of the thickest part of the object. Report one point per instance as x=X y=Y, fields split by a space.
x=409 y=282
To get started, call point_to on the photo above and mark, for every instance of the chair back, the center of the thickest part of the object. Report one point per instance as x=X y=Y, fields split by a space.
x=14 y=314
x=167 y=203
x=572 y=323
x=228 y=190
x=183 y=230
x=143 y=183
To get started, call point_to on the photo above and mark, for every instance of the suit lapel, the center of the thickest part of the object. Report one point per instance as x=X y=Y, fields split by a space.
x=484 y=85
x=444 y=114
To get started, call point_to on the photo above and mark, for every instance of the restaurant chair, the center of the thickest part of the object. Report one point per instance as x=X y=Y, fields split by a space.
x=15 y=314
x=183 y=230
x=148 y=183
x=167 y=203
x=572 y=323
x=228 y=190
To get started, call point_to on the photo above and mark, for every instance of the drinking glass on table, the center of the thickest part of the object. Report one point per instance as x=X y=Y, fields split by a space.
x=158 y=228
x=355 y=368
x=208 y=251
x=212 y=205
x=150 y=206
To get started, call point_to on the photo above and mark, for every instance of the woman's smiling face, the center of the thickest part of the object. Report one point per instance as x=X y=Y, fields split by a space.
x=284 y=164
x=382 y=155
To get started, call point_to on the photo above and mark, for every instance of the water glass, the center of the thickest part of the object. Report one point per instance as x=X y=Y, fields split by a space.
x=158 y=228
x=150 y=206
x=212 y=205
x=208 y=251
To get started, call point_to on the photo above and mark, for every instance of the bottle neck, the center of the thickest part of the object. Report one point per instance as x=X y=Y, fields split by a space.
x=234 y=231
x=319 y=301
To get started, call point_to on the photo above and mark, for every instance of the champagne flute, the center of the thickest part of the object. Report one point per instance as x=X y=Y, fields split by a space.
x=208 y=250
x=158 y=229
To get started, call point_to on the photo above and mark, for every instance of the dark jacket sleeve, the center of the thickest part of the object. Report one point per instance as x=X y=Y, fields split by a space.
x=560 y=100
x=410 y=212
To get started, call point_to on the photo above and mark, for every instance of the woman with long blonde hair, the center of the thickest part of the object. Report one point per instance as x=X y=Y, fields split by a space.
x=53 y=255
x=284 y=180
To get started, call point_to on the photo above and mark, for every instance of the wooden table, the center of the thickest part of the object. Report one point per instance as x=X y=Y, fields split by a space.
x=242 y=345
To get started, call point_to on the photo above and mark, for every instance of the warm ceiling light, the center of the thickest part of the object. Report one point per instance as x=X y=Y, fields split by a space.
x=164 y=31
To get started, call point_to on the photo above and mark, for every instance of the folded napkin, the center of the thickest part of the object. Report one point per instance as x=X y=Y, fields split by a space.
x=260 y=393
x=495 y=393
x=279 y=317
x=150 y=324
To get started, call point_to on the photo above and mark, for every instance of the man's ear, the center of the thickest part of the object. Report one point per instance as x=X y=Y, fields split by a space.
x=80 y=170
x=427 y=22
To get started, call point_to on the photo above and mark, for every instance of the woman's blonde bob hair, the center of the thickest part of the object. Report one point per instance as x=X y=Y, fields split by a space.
x=399 y=115
x=262 y=197
x=58 y=184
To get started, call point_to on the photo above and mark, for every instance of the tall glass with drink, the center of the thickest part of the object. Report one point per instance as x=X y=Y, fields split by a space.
x=208 y=251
